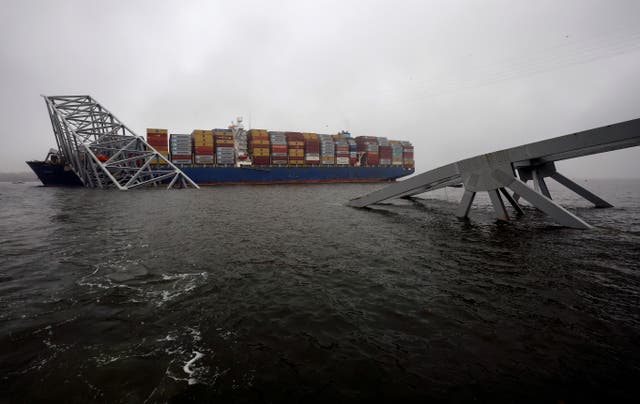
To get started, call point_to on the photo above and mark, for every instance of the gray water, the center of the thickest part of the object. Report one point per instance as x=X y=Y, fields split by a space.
x=283 y=293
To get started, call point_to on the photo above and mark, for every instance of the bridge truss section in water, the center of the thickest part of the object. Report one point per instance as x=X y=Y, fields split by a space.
x=102 y=151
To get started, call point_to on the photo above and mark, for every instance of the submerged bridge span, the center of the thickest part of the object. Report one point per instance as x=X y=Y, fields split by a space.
x=511 y=169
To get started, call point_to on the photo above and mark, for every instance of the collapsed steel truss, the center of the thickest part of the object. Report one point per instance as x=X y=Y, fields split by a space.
x=513 y=168
x=102 y=151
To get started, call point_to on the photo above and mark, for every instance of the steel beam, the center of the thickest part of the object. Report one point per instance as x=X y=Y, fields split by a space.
x=585 y=193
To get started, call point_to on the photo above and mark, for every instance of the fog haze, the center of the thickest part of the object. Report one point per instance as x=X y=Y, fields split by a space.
x=456 y=78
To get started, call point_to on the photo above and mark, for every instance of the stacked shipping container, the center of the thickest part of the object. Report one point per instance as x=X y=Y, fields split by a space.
x=158 y=139
x=353 y=151
x=295 y=147
x=311 y=148
x=202 y=146
x=278 y=148
x=341 y=149
x=396 y=152
x=327 y=150
x=384 y=152
x=407 y=154
x=180 y=148
x=220 y=146
x=225 y=150
x=368 y=145
x=259 y=146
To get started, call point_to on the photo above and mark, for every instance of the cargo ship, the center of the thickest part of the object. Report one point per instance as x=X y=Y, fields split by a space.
x=258 y=156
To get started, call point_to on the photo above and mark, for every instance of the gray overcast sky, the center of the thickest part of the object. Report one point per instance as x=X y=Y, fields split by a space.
x=457 y=78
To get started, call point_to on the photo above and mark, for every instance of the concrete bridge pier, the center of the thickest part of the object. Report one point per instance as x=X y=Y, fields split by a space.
x=507 y=170
x=496 y=182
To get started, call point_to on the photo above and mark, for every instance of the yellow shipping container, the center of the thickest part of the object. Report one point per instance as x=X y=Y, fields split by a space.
x=203 y=143
x=296 y=143
x=296 y=152
x=160 y=131
x=202 y=140
x=202 y=132
x=260 y=151
x=310 y=136
x=224 y=142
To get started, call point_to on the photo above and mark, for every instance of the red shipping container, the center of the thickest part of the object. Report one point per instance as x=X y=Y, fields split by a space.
x=294 y=136
x=261 y=160
x=373 y=159
x=203 y=150
x=385 y=152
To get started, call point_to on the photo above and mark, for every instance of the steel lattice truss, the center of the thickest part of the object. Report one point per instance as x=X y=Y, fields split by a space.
x=102 y=151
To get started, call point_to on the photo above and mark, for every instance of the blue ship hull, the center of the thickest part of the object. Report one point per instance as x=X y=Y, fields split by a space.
x=52 y=174
x=55 y=175
x=287 y=175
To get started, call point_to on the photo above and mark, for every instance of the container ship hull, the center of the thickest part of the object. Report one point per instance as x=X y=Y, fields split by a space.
x=55 y=175
x=292 y=175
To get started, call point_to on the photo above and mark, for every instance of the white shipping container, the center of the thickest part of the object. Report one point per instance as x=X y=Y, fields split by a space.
x=203 y=161
x=342 y=160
